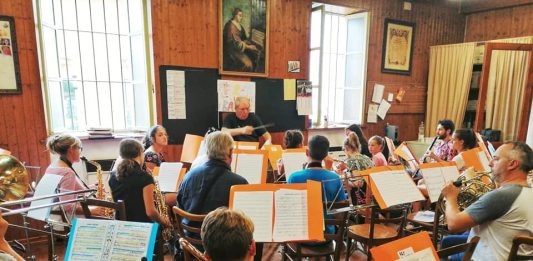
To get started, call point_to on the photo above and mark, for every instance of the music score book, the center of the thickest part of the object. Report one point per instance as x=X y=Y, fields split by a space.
x=96 y=239
x=475 y=158
x=392 y=148
x=191 y=147
x=437 y=175
x=293 y=160
x=250 y=164
x=403 y=151
x=274 y=154
x=282 y=212
x=169 y=175
x=481 y=145
x=411 y=248
x=391 y=185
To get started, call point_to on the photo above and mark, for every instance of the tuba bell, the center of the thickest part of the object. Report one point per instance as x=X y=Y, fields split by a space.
x=14 y=179
x=473 y=185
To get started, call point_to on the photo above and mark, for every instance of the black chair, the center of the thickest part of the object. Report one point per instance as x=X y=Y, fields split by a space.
x=332 y=246
x=517 y=241
x=118 y=207
x=467 y=248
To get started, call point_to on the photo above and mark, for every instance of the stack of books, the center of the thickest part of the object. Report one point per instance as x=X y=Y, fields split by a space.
x=100 y=133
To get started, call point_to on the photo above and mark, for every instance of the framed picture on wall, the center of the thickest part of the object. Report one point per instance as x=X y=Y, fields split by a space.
x=397 y=47
x=9 y=65
x=243 y=46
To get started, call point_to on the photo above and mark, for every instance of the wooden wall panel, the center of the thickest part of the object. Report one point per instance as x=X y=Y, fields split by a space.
x=498 y=24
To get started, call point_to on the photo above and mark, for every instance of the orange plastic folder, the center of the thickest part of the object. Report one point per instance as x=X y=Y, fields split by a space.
x=403 y=151
x=274 y=154
x=391 y=185
x=475 y=158
x=414 y=247
x=181 y=174
x=282 y=212
x=191 y=146
x=436 y=175
x=251 y=164
x=246 y=145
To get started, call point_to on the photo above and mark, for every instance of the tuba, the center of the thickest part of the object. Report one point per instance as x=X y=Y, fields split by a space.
x=473 y=185
x=161 y=207
x=14 y=179
x=100 y=189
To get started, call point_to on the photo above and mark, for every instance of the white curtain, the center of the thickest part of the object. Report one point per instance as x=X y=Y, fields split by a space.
x=506 y=83
x=450 y=71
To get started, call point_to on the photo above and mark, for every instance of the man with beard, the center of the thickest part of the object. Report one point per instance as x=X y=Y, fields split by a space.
x=444 y=151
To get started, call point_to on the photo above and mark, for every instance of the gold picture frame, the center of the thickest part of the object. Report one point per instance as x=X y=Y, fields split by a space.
x=9 y=65
x=397 y=56
x=244 y=34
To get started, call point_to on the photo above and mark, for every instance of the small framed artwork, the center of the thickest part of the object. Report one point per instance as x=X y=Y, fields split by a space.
x=9 y=64
x=294 y=66
x=243 y=46
x=397 y=47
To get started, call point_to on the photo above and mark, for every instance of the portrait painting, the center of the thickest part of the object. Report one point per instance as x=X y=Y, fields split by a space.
x=9 y=66
x=243 y=46
x=397 y=47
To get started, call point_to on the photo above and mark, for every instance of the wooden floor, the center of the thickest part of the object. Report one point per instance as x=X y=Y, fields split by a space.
x=271 y=252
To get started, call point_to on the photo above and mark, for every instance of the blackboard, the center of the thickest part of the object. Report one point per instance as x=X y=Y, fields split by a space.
x=201 y=104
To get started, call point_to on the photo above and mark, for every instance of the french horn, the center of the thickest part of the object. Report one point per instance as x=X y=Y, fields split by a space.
x=14 y=179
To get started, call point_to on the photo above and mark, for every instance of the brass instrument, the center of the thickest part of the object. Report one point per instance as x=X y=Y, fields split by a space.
x=471 y=188
x=100 y=188
x=161 y=207
x=14 y=179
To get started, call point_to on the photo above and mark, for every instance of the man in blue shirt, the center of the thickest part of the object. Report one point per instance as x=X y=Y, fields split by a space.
x=332 y=189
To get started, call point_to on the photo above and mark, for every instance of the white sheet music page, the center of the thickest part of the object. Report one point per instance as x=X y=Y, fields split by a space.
x=396 y=187
x=47 y=186
x=434 y=180
x=291 y=219
x=293 y=161
x=258 y=206
x=250 y=166
x=168 y=176
x=484 y=160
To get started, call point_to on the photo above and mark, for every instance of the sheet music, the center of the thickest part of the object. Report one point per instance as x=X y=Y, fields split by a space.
x=491 y=148
x=250 y=166
x=293 y=161
x=291 y=219
x=176 y=94
x=47 y=186
x=260 y=214
x=396 y=187
x=93 y=239
x=484 y=161
x=168 y=176
x=425 y=216
x=437 y=178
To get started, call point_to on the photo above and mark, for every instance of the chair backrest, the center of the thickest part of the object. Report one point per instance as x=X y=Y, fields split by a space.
x=517 y=241
x=118 y=207
x=393 y=215
x=191 y=251
x=468 y=248
x=338 y=220
x=437 y=221
x=185 y=231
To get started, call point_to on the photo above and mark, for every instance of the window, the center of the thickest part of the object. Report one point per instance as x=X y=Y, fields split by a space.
x=338 y=58
x=94 y=64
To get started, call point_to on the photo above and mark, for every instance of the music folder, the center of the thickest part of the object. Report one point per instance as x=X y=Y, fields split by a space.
x=391 y=185
x=96 y=239
x=169 y=175
x=247 y=145
x=437 y=175
x=274 y=154
x=191 y=147
x=403 y=151
x=410 y=248
x=282 y=212
x=251 y=164
x=476 y=158
x=392 y=148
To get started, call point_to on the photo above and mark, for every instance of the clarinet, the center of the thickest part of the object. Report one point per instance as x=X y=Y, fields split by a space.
x=423 y=159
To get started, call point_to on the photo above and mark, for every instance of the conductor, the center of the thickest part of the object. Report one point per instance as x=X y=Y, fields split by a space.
x=243 y=125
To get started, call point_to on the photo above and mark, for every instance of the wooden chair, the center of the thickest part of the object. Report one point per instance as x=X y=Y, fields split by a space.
x=467 y=248
x=517 y=241
x=118 y=207
x=437 y=227
x=190 y=251
x=333 y=247
x=378 y=231
x=185 y=231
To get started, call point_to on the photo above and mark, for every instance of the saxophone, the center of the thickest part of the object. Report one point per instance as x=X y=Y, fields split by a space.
x=100 y=189
x=161 y=207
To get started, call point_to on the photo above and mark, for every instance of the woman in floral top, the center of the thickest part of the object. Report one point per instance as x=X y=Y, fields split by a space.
x=355 y=161
x=154 y=143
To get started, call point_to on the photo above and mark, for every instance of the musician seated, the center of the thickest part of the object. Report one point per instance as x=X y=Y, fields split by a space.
x=243 y=125
x=331 y=182
x=375 y=146
x=501 y=214
x=293 y=139
x=6 y=252
x=228 y=235
x=444 y=151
